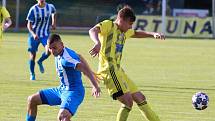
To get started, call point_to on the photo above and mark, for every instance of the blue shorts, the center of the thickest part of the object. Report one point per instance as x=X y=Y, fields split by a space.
x=69 y=100
x=33 y=44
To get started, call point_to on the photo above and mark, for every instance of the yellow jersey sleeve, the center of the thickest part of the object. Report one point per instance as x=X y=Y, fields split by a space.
x=105 y=26
x=129 y=33
x=5 y=13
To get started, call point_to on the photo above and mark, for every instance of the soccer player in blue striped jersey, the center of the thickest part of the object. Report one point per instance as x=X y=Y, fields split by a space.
x=70 y=93
x=41 y=17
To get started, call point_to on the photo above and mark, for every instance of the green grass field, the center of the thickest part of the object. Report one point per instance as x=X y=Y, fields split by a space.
x=168 y=72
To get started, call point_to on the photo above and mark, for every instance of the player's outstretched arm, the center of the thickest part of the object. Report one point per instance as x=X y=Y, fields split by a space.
x=85 y=68
x=144 y=34
x=93 y=32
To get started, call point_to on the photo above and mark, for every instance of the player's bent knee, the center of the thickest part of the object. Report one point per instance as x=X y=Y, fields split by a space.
x=127 y=100
x=34 y=99
x=64 y=115
x=65 y=119
x=129 y=103
x=32 y=56
x=138 y=97
x=30 y=100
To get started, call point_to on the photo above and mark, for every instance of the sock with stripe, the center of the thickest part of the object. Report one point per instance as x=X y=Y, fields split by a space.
x=123 y=113
x=30 y=118
x=43 y=57
x=32 y=65
x=147 y=111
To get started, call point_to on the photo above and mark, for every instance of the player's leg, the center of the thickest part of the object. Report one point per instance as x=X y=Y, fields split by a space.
x=144 y=107
x=50 y=96
x=64 y=115
x=32 y=49
x=33 y=101
x=119 y=91
x=44 y=55
x=70 y=103
x=140 y=99
x=127 y=103
x=32 y=65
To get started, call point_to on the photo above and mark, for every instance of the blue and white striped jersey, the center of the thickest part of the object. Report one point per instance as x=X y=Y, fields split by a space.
x=65 y=65
x=41 y=19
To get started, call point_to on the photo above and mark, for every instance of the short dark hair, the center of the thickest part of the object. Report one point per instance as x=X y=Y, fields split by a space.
x=127 y=13
x=54 y=38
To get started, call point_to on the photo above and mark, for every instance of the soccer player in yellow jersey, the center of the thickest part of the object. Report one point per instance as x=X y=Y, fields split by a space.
x=109 y=38
x=5 y=20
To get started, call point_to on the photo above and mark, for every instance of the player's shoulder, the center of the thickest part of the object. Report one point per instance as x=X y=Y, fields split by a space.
x=108 y=21
x=70 y=55
x=106 y=24
x=69 y=52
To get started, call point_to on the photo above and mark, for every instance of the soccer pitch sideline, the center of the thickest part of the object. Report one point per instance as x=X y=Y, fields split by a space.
x=168 y=72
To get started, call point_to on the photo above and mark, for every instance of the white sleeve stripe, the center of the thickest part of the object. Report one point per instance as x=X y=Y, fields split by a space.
x=70 y=59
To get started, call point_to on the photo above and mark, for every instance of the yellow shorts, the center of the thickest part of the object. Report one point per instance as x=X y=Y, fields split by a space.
x=118 y=83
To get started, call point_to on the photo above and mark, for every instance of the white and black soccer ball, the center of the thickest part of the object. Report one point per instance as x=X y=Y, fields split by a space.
x=200 y=101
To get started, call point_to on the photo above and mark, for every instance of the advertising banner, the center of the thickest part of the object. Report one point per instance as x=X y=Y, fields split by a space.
x=177 y=26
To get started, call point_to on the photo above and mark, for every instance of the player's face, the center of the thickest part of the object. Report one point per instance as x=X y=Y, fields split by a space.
x=126 y=24
x=41 y=1
x=56 y=48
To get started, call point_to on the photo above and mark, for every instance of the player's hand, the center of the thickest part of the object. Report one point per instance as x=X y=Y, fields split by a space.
x=159 y=36
x=95 y=50
x=96 y=92
x=35 y=37
x=53 y=27
x=5 y=26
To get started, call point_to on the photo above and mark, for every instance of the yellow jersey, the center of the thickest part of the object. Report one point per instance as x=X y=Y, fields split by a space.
x=3 y=14
x=112 y=43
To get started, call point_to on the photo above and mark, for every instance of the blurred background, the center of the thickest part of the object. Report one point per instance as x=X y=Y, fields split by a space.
x=176 y=18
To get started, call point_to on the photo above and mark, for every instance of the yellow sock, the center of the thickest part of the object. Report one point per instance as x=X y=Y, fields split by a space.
x=123 y=113
x=148 y=112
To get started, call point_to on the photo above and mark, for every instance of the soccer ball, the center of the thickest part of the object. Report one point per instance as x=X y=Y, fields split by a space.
x=200 y=101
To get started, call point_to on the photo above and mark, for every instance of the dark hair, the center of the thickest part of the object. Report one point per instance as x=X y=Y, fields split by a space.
x=54 y=38
x=127 y=13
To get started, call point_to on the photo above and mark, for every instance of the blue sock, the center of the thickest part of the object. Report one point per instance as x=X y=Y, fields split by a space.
x=30 y=118
x=43 y=57
x=32 y=65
